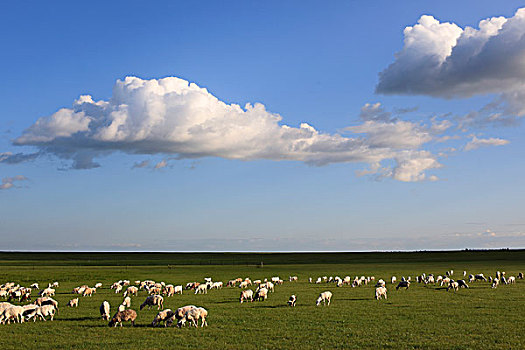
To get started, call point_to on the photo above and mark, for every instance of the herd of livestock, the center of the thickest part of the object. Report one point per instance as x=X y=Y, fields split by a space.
x=45 y=307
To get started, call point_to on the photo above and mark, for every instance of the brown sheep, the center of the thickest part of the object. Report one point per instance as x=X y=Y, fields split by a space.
x=122 y=316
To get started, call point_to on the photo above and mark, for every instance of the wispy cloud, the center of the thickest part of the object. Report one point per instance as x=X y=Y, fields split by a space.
x=9 y=182
x=476 y=143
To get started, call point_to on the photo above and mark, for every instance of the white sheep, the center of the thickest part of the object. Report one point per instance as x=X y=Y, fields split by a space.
x=495 y=283
x=178 y=289
x=48 y=292
x=453 y=285
x=46 y=310
x=193 y=315
x=261 y=294
x=511 y=280
x=380 y=283
x=292 y=300
x=73 y=303
x=394 y=279
x=201 y=289
x=324 y=297
x=104 y=310
x=127 y=302
x=12 y=313
x=246 y=295
x=381 y=292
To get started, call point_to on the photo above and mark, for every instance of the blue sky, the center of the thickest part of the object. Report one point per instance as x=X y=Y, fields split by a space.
x=434 y=161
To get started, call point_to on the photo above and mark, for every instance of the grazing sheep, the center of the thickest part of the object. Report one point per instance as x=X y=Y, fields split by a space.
x=243 y=284
x=179 y=314
x=73 y=303
x=193 y=315
x=46 y=310
x=453 y=285
x=88 y=292
x=462 y=284
x=246 y=295
x=394 y=279
x=12 y=313
x=201 y=289
x=381 y=292
x=46 y=301
x=35 y=285
x=29 y=312
x=121 y=307
x=445 y=280
x=153 y=300
x=104 y=310
x=231 y=283
x=402 y=284
x=177 y=289
x=479 y=277
x=162 y=316
x=127 y=301
x=495 y=283
x=293 y=279
x=380 y=283
x=48 y=292
x=98 y=285
x=324 y=297
x=511 y=280
x=123 y=316
x=118 y=288
x=216 y=285
x=131 y=290
x=520 y=275
x=292 y=300
x=261 y=294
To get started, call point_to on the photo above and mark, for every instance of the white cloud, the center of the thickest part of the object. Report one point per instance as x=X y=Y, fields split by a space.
x=476 y=143
x=162 y=164
x=9 y=182
x=443 y=60
x=173 y=117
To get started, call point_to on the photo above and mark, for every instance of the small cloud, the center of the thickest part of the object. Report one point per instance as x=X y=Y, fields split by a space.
x=9 y=182
x=140 y=165
x=476 y=143
x=162 y=164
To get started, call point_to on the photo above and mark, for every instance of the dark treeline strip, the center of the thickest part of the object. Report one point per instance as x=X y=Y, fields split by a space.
x=138 y=259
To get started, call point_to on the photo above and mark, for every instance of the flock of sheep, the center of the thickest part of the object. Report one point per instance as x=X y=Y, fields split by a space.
x=45 y=306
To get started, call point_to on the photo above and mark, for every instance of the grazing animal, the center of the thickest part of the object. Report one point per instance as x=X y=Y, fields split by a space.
x=246 y=295
x=131 y=290
x=380 y=283
x=453 y=285
x=162 y=316
x=193 y=315
x=292 y=300
x=261 y=294
x=104 y=310
x=12 y=313
x=179 y=314
x=324 y=297
x=520 y=275
x=177 y=289
x=511 y=280
x=479 y=277
x=381 y=292
x=402 y=284
x=462 y=284
x=46 y=310
x=394 y=279
x=123 y=316
x=153 y=300
x=495 y=283
x=73 y=303
x=201 y=289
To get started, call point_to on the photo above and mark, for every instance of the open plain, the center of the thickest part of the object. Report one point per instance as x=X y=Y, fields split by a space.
x=424 y=316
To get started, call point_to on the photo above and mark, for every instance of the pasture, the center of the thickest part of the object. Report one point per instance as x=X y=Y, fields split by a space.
x=421 y=317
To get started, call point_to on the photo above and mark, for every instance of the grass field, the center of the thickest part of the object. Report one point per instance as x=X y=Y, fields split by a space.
x=420 y=317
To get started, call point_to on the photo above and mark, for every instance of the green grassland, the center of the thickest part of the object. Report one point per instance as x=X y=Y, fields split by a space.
x=426 y=317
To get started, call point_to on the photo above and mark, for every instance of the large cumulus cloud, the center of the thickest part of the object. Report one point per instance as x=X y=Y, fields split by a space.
x=444 y=60
x=171 y=116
